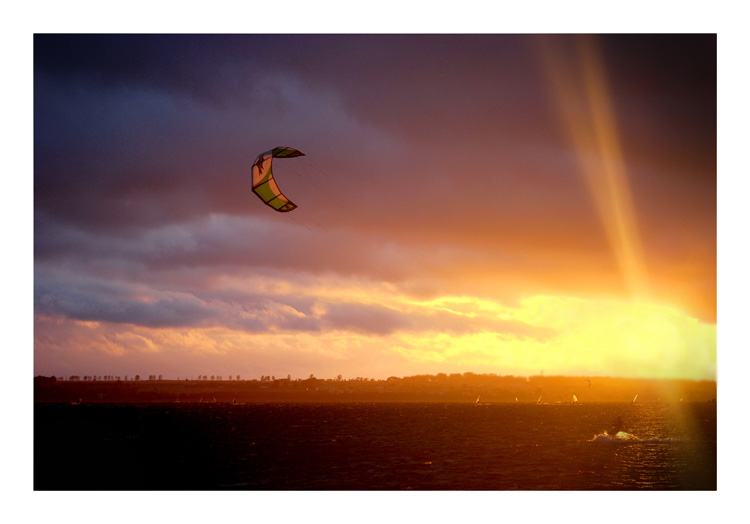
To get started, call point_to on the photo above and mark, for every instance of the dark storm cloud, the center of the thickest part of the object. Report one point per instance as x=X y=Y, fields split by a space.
x=176 y=63
x=230 y=245
x=86 y=298
x=147 y=302
x=374 y=72
x=147 y=129
x=127 y=142
x=133 y=158
x=476 y=87
x=102 y=305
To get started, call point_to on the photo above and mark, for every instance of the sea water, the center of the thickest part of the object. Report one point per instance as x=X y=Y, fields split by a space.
x=374 y=446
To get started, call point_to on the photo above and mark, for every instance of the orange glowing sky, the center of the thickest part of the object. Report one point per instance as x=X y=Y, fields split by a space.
x=486 y=203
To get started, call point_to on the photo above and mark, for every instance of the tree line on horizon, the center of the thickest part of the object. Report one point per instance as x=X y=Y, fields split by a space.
x=487 y=378
x=468 y=387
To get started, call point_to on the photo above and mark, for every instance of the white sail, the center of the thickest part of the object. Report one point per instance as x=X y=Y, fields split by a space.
x=575 y=399
x=635 y=397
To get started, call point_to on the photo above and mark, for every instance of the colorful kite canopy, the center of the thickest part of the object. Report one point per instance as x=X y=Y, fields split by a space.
x=264 y=184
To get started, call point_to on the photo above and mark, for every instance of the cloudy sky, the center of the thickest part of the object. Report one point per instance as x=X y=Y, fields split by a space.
x=502 y=204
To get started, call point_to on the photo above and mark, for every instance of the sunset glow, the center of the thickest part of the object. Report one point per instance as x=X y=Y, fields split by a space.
x=372 y=330
x=513 y=205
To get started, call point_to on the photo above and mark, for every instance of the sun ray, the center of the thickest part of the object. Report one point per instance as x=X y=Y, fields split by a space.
x=586 y=109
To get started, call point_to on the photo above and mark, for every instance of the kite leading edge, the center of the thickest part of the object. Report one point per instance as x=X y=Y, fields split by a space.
x=264 y=184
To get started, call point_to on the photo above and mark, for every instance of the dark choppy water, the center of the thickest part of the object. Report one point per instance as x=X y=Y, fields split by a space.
x=373 y=447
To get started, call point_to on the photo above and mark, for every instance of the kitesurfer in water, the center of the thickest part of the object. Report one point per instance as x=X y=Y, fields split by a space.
x=616 y=426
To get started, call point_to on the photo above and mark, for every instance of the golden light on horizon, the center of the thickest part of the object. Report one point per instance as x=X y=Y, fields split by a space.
x=564 y=335
x=580 y=337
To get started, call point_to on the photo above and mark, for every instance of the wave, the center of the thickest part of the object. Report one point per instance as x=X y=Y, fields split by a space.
x=622 y=437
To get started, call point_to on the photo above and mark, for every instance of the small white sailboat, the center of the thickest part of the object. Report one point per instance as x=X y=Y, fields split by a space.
x=477 y=400
x=635 y=397
x=575 y=399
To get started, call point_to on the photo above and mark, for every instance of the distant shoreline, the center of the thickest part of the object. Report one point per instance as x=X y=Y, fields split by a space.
x=467 y=387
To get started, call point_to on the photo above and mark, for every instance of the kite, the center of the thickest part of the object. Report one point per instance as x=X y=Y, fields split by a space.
x=264 y=184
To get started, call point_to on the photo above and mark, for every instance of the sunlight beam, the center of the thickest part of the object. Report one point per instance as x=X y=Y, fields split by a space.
x=586 y=109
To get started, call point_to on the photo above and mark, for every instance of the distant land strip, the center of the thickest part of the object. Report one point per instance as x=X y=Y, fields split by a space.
x=466 y=387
